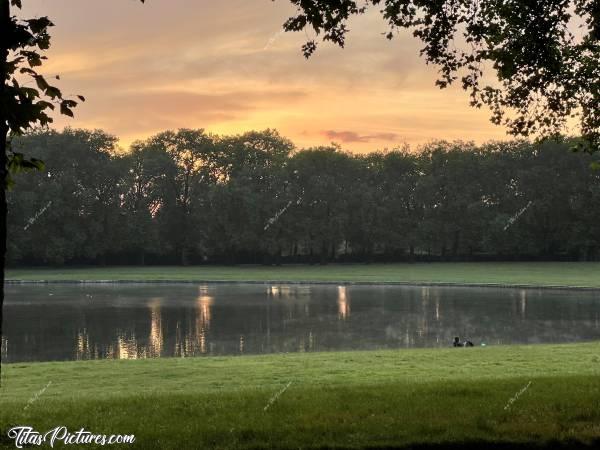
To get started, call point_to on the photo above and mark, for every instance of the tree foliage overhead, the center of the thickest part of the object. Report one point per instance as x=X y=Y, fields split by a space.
x=545 y=54
x=27 y=97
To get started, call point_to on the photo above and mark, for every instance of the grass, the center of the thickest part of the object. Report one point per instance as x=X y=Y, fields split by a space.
x=566 y=274
x=378 y=399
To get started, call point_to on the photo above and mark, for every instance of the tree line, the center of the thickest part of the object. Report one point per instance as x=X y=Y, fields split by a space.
x=189 y=197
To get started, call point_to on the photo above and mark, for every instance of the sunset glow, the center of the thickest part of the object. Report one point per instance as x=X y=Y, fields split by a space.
x=227 y=67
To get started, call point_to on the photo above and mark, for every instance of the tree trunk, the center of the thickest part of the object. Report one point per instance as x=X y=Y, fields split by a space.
x=4 y=29
x=183 y=257
x=323 y=253
x=456 y=243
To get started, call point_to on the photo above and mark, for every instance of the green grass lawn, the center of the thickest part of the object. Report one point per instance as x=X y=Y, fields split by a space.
x=378 y=399
x=534 y=274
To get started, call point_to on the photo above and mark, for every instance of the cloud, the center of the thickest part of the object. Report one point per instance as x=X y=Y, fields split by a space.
x=147 y=112
x=224 y=66
x=353 y=137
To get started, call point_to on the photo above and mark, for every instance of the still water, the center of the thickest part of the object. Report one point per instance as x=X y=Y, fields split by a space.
x=73 y=322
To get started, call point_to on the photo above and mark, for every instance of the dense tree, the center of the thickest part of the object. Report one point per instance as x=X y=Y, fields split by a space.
x=149 y=169
x=542 y=57
x=451 y=192
x=255 y=198
x=184 y=197
x=394 y=176
x=324 y=176
x=71 y=210
x=251 y=192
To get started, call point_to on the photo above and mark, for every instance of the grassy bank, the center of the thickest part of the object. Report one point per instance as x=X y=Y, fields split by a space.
x=347 y=399
x=533 y=274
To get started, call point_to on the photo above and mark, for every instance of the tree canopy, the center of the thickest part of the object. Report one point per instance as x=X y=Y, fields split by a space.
x=534 y=63
x=186 y=196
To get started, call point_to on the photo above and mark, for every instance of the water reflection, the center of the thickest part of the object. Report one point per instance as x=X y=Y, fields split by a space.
x=156 y=334
x=279 y=291
x=145 y=321
x=523 y=303
x=127 y=348
x=343 y=303
x=3 y=347
x=83 y=345
x=204 y=304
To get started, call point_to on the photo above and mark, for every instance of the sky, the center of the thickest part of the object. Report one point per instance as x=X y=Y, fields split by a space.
x=227 y=67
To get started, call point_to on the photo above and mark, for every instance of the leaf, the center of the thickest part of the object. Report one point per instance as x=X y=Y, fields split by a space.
x=53 y=92
x=43 y=105
x=33 y=58
x=28 y=71
x=39 y=25
x=30 y=93
x=66 y=110
x=41 y=82
x=18 y=163
x=9 y=183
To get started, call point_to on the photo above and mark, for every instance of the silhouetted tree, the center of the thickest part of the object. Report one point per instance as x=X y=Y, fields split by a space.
x=195 y=167
x=255 y=198
x=251 y=192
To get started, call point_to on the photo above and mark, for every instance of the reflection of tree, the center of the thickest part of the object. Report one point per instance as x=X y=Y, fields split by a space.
x=523 y=303
x=83 y=346
x=203 y=317
x=152 y=322
x=343 y=303
x=191 y=336
x=3 y=348
x=126 y=348
x=156 y=335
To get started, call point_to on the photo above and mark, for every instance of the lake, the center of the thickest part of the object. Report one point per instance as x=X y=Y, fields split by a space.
x=128 y=321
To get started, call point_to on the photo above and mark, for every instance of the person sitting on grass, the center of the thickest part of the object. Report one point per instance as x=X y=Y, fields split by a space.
x=457 y=343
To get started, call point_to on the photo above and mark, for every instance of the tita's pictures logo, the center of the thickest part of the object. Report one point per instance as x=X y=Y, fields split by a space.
x=27 y=436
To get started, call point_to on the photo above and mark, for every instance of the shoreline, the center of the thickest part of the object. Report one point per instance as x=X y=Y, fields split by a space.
x=326 y=354
x=558 y=275
x=308 y=282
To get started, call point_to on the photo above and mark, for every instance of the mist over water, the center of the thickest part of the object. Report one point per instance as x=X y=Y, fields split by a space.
x=78 y=322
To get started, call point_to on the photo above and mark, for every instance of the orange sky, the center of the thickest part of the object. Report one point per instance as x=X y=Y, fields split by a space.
x=226 y=67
